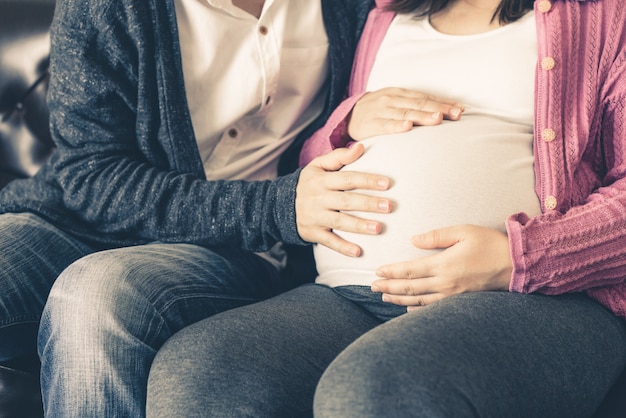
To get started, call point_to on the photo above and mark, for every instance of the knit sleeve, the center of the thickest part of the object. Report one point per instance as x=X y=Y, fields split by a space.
x=581 y=246
x=332 y=135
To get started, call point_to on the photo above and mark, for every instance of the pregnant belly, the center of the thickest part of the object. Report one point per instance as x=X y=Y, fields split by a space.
x=451 y=174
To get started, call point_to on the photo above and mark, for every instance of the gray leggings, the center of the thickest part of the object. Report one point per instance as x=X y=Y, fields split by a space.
x=490 y=354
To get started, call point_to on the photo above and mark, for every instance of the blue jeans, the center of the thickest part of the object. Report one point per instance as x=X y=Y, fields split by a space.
x=107 y=312
x=490 y=354
x=32 y=255
x=371 y=302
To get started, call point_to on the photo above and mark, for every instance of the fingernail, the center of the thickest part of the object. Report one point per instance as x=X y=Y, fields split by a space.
x=375 y=289
x=349 y=250
x=435 y=115
x=383 y=182
x=385 y=298
x=380 y=273
x=383 y=205
x=373 y=227
x=455 y=111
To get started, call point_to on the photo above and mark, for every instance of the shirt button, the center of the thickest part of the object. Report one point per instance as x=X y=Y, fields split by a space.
x=233 y=133
x=263 y=30
x=548 y=135
x=550 y=203
x=544 y=6
x=548 y=63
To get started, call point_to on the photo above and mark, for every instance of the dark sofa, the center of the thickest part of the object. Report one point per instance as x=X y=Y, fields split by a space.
x=25 y=144
x=25 y=141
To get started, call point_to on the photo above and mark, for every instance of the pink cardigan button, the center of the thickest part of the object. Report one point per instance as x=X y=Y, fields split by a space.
x=548 y=63
x=550 y=203
x=544 y=6
x=548 y=135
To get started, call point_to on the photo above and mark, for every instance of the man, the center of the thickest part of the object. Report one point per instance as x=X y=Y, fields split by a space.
x=162 y=204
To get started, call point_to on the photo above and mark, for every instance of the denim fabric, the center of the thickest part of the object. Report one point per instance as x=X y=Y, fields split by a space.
x=126 y=171
x=370 y=301
x=108 y=314
x=32 y=254
x=492 y=354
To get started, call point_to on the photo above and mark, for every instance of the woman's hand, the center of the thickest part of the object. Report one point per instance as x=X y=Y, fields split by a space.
x=473 y=259
x=394 y=110
x=322 y=192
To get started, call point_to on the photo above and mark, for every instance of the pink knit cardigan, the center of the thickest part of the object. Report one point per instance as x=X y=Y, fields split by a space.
x=578 y=243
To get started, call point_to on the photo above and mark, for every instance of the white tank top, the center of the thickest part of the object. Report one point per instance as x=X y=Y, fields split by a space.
x=478 y=170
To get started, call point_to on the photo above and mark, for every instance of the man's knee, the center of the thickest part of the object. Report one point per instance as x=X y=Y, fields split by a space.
x=92 y=295
x=92 y=282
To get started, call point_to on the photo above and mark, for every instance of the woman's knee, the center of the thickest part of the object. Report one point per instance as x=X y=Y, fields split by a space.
x=368 y=380
x=478 y=355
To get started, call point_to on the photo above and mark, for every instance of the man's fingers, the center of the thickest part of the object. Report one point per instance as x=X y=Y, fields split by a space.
x=347 y=223
x=321 y=231
x=336 y=243
x=325 y=198
x=339 y=157
x=353 y=180
x=345 y=180
x=349 y=201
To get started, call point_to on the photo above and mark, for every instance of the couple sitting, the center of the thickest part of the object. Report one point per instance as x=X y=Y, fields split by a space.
x=467 y=200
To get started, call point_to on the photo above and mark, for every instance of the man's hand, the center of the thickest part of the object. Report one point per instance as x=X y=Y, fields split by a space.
x=323 y=192
x=473 y=259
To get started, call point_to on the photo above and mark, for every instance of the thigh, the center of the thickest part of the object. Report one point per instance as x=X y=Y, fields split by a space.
x=263 y=360
x=32 y=255
x=481 y=355
x=108 y=314
x=154 y=290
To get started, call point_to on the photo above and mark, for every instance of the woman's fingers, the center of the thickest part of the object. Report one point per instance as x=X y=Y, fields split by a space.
x=394 y=110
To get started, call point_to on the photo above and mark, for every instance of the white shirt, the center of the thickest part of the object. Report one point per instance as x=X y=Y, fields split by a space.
x=252 y=84
x=478 y=170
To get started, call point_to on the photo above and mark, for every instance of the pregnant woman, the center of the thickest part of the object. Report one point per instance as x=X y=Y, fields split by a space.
x=506 y=243
x=477 y=170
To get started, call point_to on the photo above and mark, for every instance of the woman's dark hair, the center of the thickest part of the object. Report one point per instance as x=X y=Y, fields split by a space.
x=508 y=11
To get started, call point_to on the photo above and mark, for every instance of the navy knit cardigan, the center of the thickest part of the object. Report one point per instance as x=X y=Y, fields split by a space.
x=127 y=169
